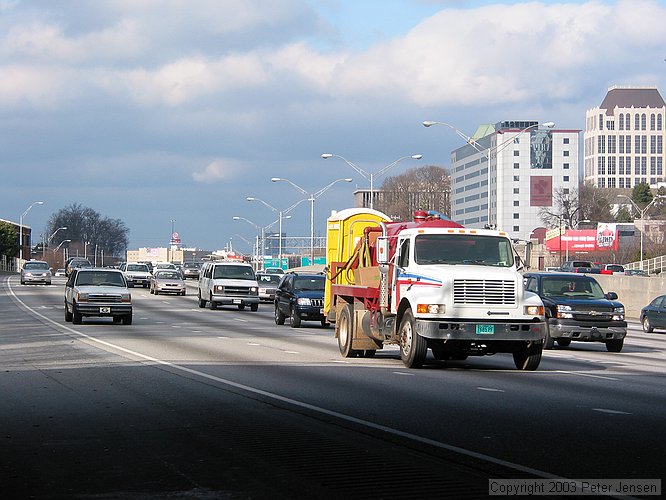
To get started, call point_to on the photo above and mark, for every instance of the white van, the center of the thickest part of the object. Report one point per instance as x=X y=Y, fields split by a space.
x=228 y=283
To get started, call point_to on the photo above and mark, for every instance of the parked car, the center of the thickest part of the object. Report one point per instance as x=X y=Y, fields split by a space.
x=653 y=315
x=191 y=270
x=97 y=292
x=167 y=282
x=267 y=286
x=580 y=266
x=36 y=271
x=300 y=297
x=136 y=273
x=76 y=263
x=635 y=272
x=228 y=283
x=577 y=309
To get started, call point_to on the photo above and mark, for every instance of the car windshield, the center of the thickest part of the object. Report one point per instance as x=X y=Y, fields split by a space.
x=189 y=265
x=309 y=284
x=100 y=278
x=137 y=267
x=165 y=266
x=272 y=279
x=572 y=287
x=234 y=272
x=33 y=266
x=168 y=275
x=463 y=249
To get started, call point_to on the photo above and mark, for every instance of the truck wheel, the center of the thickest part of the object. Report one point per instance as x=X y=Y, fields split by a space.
x=647 y=327
x=413 y=347
x=548 y=340
x=279 y=317
x=127 y=319
x=564 y=342
x=213 y=305
x=241 y=307
x=77 y=317
x=344 y=327
x=614 y=345
x=253 y=307
x=68 y=315
x=202 y=302
x=295 y=321
x=529 y=357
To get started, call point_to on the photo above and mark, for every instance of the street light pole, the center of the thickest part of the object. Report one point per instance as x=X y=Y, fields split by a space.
x=311 y=198
x=642 y=212
x=487 y=152
x=370 y=176
x=263 y=232
x=21 y=228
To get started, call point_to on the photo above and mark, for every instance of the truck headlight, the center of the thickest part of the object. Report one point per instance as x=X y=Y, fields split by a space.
x=218 y=289
x=82 y=297
x=534 y=311
x=618 y=314
x=126 y=297
x=564 y=312
x=254 y=290
x=304 y=301
x=431 y=308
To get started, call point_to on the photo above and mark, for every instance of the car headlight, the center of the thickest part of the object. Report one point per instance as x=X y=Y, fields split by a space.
x=618 y=314
x=28 y=274
x=534 y=310
x=304 y=301
x=431 y=308
x=564 y=311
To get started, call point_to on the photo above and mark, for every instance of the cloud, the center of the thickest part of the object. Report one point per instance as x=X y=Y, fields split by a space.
x=218 y=170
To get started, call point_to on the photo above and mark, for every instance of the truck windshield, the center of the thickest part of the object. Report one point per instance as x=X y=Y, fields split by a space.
x=472 y=249
x=234 y=272
x=572 y=287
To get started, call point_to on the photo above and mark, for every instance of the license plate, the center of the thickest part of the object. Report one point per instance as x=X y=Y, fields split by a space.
x=104 y=310
x=237 y=301
x=485 y=329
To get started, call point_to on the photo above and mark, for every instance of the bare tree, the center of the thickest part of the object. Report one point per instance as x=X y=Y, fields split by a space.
x=586 y=203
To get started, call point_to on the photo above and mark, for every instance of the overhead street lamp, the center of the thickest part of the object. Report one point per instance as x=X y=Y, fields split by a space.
x=281 y=214
x=64 y=258
x=371 y=175
x=50 y=238
x=642 y=211
x=311 y=198
x=263 y=230
x=21 y=227
x=487 y=151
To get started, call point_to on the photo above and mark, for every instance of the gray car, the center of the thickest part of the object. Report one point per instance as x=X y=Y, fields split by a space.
x=36 y=271
x=97 y=292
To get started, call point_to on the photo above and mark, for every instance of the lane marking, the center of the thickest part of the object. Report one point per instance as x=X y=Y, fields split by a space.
x=611 y=412
x=490 y=389
x=566 y=372
x=404 y=373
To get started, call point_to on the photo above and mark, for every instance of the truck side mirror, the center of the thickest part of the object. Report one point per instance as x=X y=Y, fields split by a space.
x=382 y=250
x=611 y=296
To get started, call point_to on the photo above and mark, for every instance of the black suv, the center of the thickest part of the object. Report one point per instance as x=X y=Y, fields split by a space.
x=300 y=296
x=578 y=309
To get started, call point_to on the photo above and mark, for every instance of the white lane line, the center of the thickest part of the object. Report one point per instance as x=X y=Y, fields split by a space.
x=241 y=320
x=291 y=352
x=611 y=412
x=294 y=402
x=490 y=389
x=404 y=373
x=253 y=343
x=566 y=372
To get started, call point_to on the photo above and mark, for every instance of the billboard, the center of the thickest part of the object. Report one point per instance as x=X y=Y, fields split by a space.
x=603 y=238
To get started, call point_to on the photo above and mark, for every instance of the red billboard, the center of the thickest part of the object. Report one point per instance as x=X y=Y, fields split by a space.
x=583 y=240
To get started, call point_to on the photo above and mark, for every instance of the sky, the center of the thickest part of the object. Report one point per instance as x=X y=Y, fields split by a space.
x=153 y=111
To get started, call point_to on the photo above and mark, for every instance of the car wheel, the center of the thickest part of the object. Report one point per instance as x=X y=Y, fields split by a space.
x=413 y=347
x=614 y=345
x=563 y=342
x=22 y=282
x=254 y=307
x=127 y=319
x=295 y=321
x=325 y=323
x=77 y=317
x=647 y=327
x=529 y=357
x=279 y=316
x=68 y=315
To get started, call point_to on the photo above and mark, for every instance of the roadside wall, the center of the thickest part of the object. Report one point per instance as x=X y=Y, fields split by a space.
x=633 y=291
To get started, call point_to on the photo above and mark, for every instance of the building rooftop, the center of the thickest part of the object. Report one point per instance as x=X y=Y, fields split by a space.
x=632 y=97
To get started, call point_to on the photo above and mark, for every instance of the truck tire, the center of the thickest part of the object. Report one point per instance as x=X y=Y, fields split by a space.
x=77 y=317
x=213 y=304
x=68 y=315
x=202 y=302
x=344 y=326
x=253 y=307
x=614 y=345
x=529 y=357
x=127 y=319
x=413 y=347
x=295 y=321
x=548 y=340
x=564 y=342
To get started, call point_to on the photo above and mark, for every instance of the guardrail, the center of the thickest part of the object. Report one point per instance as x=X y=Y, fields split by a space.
x=652 y=266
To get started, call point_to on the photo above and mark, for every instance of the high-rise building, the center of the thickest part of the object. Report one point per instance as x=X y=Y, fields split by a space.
x=624 y=139
x=525 y=163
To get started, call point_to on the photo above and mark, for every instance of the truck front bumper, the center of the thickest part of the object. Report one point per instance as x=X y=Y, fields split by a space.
x=227 y=300
x=567 y=329
x=480 y=331
x=103 y=309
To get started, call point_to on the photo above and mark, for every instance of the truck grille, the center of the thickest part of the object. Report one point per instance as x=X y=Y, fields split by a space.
x=237 y=290
x=492 y=292
x=104 y=298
